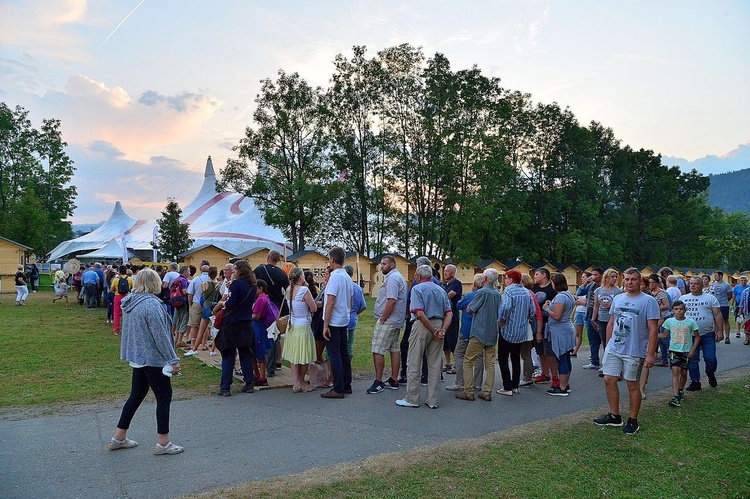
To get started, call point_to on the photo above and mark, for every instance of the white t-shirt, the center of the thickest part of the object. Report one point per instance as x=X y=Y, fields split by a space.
x=340 y=286
x=700 y=309
x=169 y=277
x=631 y=316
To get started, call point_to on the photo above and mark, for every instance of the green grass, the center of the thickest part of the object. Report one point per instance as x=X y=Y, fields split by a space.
x=687 y=452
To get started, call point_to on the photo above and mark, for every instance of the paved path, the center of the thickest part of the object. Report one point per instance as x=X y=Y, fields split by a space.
x=256 y=436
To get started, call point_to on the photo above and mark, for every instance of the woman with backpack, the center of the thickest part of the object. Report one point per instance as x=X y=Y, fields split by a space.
x=121 y=286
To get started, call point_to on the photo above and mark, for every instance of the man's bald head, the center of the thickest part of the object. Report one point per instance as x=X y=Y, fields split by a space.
x=274 y=257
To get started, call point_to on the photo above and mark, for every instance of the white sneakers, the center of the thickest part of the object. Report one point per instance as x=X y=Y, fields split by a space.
x=191 y=352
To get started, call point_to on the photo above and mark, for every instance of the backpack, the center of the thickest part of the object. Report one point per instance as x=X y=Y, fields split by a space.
x=272 y=313
x=123 y=287
x=176 y=298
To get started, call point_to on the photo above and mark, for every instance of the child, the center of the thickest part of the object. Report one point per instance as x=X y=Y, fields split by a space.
x=261 y=320
x=61 y=287
x=680 y=331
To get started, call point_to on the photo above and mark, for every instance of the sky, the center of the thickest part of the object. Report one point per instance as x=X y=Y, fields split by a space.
x=146 y=90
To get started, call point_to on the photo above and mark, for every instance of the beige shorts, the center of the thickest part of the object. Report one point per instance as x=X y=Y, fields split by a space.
x=385 y=338
x=615 y=363
x=194 y=319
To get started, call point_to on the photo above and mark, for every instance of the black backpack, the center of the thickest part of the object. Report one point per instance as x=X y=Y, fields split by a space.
x=123 y=286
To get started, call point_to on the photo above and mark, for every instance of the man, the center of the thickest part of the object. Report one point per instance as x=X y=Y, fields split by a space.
x=737 y=294
x=665 y=272
x=464 y=335
x=454 y=289
x=172 y=274
x=544 y=292
x=224 y=285
x=631 y=343
x=432 y=316
x=722 y=290
x=90 y=286
x=195 y=303
x=359 y=305
x=277 y=281
x=704 y=309
x=390 y=314
x=592 y=334
x=484 y=332
x=336 y=306
x=410 y=318
x=101 y=285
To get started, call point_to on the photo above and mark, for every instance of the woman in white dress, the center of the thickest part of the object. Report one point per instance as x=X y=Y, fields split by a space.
x=299 y=344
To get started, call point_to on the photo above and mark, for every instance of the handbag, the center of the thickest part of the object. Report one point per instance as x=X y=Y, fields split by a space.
x=218 y=318
x=281 y=323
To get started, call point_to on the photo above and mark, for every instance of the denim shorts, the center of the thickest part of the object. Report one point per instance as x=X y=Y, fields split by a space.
x=206 y=312
x=615 y=363
x=579 y=319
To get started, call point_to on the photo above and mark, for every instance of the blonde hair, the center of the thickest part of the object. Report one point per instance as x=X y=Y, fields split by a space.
x=147 y=281
x=527 y=281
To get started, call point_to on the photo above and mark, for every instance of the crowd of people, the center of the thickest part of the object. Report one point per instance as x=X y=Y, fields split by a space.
x=530 y=325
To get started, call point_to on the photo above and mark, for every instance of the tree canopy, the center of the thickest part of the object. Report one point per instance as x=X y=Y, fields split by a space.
x=173 y=236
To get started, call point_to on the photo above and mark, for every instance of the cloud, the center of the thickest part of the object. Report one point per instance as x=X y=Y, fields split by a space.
x=734 y=160
x=184 y=102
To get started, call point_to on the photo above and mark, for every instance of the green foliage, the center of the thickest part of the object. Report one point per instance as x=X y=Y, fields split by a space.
x=35 y=173
x=173 y=236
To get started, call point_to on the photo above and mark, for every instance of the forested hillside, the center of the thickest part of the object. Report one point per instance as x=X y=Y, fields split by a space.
x=729 y=191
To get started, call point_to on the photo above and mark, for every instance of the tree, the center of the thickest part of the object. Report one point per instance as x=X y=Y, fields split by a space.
x=35 y=173
x=173 y=236
x=283 y=163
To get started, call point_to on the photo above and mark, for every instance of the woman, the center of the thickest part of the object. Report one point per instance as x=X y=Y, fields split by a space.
x=236 y=335
x=22 y=290
x=536 y=327
x=579 y=319
x=561 y=332
x=513 y=333
x=34 y=277
x=602 y=301
x=60 y=286
x=706 y=283
x=147 y=345
x=299 y=344
x=108 y=277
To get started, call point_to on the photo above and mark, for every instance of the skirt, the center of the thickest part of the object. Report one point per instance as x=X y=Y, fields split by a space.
x=299 y=344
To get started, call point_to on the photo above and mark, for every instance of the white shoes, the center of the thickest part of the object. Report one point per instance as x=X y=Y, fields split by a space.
x=191 y=352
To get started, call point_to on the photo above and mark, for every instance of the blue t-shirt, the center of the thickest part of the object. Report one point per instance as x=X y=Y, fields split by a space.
x=358 y=303
x=737 y=292
x=465 y=330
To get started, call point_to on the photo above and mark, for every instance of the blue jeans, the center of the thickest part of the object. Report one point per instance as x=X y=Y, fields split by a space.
x=594 y=341
x=91 y=294
x=227 y=366
x=708 y=347
x=664 y=346
x=110 y=306
x=341 y=364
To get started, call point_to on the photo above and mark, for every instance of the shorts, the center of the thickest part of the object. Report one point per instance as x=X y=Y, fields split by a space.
x=579 y=319
x=180 y=320
x=679 y=359
x=564 y=366
x=206 y=315
x=615 y=363
x=451 y=337
x=385 y=338
x=725 y=312
x=544 y=348
x=194 y=315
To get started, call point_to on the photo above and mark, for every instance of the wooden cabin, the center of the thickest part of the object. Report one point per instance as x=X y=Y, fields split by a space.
x=363 y=267
x=376 y=277
x=216 y=256
x=12 y=254
x=254 y=257
x=310 y=259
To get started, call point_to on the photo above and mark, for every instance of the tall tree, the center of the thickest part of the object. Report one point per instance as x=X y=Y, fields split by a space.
x=173 y=236
x=283 y=162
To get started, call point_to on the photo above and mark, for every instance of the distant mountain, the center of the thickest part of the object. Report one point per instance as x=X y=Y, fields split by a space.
x=734 y=160
x=729 y=191
x=81 y=229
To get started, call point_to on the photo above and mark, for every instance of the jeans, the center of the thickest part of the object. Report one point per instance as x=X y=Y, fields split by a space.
x=664 y=346
x=511 y=377
x=90 y=291
x=341 y=364
x=227 y=366
x=708 y=347
x=594 y=341
x=143 y=379
x=110 y=306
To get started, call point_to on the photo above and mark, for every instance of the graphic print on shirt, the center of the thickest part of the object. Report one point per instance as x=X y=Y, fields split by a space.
x=625 y=318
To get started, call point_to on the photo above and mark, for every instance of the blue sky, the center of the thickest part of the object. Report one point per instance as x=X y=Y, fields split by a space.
x=176 y=81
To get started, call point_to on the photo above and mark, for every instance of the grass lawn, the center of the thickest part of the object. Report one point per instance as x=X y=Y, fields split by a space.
x=687 y=452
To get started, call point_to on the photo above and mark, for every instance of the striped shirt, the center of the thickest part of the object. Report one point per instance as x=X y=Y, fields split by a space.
x=517 y=309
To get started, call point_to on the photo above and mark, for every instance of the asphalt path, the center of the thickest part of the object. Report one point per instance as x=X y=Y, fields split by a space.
x=256 y=436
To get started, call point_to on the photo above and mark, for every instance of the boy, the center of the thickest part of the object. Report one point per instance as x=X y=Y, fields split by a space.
x=680 y=330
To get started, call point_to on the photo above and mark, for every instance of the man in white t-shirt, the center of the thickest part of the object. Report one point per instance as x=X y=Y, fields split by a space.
x=704 y=309
x=336 y=307
x=631 y=342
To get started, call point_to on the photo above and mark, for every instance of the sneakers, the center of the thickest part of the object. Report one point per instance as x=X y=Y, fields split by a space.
x=591 y=367
x=431 y=406
x=170 y=448
x=631 y=427
x=675 y=402
x=454 y=388
x=377 y=387
x=261 y=382
x=681 y=395
x=557 y=392
x=392 y=384
x=248 y=388
x=609 y=419
x=726 y=341
x=524 y=382
x=224 y=393
x=542 y=378
x=191 y=352
x=332 y=394
x=212 y=353
x=465 y=396
x=115 y=444
x=405 y=403
x=402 y=379
x=485 y=396
x=693 y=386
x=712 y=380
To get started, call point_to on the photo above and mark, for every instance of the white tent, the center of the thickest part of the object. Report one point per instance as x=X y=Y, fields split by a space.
x=227 y=220
x=110 y=251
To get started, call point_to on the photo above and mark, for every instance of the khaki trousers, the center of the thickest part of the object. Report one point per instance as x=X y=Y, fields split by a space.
x=422 y=342
x=472 y=352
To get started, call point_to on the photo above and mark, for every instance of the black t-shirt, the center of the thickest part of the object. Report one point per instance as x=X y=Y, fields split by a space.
x=544 y=293
x=277 y=281
x=20 y=279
